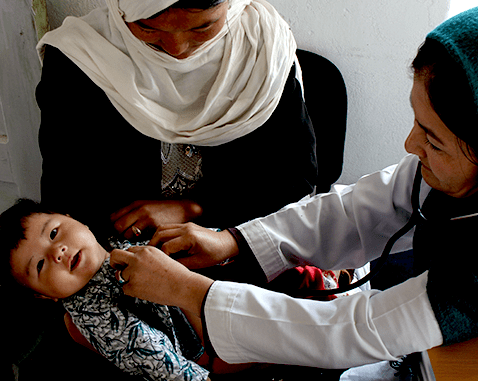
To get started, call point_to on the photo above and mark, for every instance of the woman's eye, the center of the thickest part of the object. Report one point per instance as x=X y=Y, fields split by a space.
x=147 y=30
x=432 y=146
x=202 y=30
x=53 y=233
x=40 y=265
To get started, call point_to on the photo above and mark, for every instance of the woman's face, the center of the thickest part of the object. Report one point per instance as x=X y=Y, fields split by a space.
x=180 y=32
x=445 y=167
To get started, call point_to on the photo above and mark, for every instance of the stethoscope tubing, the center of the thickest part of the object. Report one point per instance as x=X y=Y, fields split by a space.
x=388 y=246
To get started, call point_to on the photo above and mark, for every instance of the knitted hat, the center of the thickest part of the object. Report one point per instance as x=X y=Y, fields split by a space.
x=459 y=35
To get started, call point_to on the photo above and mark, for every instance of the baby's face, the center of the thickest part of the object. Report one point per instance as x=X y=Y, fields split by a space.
x=58 y=257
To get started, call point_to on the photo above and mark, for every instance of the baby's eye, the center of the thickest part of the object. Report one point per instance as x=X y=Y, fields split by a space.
x=40 y=265
x=53 y=233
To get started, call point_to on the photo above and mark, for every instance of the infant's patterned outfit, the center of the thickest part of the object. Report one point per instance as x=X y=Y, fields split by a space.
x=139 y=337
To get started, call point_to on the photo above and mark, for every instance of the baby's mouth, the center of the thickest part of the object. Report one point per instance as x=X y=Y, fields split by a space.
x=75 y=261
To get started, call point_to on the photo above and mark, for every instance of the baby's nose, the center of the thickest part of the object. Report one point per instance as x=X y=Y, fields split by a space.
x=58 y=253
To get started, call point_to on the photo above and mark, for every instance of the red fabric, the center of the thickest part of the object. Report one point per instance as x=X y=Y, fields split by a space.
x=295 y=282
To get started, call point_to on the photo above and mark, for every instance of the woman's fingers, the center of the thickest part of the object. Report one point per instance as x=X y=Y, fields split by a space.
x=132 y=220
x=123 y=212
x=120 y=259
x=129 y=225
x=152 y=275
x=205 y=247
x=165 y=233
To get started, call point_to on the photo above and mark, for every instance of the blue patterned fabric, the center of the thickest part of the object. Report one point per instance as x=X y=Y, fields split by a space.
x=164 y=348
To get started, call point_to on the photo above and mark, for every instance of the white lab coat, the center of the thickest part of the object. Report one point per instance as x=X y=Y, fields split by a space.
x=345 y=228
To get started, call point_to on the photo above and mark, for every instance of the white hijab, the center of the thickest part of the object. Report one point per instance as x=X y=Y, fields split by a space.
x=229 y=87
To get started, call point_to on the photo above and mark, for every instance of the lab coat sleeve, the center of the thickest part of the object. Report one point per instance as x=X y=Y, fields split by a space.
x=345 y=228
x=250 y=324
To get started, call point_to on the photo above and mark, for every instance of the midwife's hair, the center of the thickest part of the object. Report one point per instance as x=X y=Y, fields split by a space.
x=12 y=232
x=450 y=94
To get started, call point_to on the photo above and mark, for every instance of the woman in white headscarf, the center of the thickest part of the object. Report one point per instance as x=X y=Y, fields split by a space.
x=157 y=111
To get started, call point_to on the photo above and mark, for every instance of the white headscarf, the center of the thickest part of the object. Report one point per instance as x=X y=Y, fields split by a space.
x=145 y=10
x=226 y=89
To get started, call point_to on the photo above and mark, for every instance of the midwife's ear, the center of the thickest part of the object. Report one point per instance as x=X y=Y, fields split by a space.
x=44 y=297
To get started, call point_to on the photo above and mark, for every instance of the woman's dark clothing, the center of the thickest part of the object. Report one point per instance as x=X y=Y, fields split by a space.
x=94 y=162
x=443 y=247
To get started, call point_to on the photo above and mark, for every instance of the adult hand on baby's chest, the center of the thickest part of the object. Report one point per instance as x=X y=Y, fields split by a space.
x=149 y=215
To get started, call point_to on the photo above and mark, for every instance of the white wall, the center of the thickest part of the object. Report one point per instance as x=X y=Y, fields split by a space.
x=20 y=161
x=457 y=6
x=372 y=43
x=59 y=9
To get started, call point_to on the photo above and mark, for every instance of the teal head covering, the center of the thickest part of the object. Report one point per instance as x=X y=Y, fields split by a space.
x=459 y=35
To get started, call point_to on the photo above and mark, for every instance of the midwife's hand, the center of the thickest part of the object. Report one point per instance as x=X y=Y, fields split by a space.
x=203 y=247
x=152 y=275
x=148 y=215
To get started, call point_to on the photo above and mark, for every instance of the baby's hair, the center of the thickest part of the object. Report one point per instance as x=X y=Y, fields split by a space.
x=13 y=223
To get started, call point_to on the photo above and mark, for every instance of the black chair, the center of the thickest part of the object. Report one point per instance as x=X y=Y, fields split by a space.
x=326 y=100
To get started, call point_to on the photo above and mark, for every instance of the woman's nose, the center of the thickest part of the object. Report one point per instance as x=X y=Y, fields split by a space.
x=174 y=44
x=413 y=143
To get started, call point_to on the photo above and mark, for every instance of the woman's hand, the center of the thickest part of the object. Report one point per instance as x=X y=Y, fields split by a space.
x=152 y=275
x=148 y=215
x=204 y=247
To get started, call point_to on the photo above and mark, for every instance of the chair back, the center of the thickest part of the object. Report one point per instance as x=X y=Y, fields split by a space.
x=326 y=100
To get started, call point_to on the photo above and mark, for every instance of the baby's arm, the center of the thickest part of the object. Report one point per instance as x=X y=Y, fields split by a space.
x=75 y=333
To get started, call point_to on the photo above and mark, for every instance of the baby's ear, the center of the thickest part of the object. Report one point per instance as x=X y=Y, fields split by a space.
x=44 y=297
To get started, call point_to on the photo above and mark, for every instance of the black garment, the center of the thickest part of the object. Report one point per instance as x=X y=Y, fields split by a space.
x=94 y=162
x=447 y=249
x=39 y=347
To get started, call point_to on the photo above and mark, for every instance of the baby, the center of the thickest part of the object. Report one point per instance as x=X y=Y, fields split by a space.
x=57 y=257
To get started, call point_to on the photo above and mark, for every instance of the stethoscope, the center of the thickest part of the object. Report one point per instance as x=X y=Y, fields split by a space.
x=416 y=215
